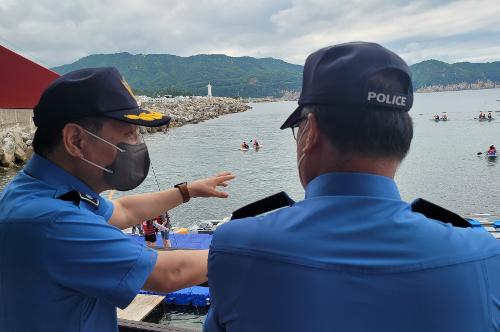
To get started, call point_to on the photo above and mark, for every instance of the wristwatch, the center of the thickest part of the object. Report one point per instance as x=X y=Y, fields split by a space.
x=183 y=188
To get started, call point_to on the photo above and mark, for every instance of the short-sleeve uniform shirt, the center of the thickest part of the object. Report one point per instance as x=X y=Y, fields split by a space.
x=62 y=266
x=352 y=257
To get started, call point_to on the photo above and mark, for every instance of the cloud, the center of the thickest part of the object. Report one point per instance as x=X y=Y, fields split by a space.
x=58 y=32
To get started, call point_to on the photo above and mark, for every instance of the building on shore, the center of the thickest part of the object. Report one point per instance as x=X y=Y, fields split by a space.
x=22 y=81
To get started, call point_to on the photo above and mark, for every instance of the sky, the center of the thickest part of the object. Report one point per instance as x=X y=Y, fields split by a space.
x=59 y=32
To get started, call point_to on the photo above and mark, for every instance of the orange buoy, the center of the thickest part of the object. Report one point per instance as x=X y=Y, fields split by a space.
x=182 y=231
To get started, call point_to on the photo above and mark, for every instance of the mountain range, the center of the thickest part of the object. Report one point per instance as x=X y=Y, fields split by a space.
x=160 y=74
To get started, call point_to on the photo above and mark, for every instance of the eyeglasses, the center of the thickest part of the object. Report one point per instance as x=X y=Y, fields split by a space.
x=295 y=126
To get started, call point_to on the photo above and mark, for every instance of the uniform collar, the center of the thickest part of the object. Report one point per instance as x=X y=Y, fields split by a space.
x=352 y=184
x=55 y=176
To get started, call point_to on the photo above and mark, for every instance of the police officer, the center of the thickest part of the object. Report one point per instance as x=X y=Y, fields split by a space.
x=74 y=265
x=352 y=256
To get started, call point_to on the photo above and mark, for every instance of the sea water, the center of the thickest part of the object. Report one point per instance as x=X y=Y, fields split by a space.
x=442 y=166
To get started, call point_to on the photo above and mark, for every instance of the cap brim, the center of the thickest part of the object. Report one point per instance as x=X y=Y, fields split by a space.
x=293 y=118
x=140 y=117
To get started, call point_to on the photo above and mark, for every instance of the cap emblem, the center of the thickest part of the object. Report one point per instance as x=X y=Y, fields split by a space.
x=149 y=116
x=126 y=86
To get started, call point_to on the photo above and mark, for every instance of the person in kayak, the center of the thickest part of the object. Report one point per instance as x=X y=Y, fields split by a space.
x=490 y=116
x=244 y=145
x=492 y=151
x=481 y=115
x=256 y=144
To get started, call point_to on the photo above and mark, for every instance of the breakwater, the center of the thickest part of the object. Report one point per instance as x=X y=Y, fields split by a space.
x=15 y=145
x=186 y=110
x=15 y=140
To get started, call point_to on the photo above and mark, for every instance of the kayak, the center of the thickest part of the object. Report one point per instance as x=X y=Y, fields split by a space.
x=260 y=146
x=243 y=149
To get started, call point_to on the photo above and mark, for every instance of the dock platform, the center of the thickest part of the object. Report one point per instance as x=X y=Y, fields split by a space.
x=140 y=307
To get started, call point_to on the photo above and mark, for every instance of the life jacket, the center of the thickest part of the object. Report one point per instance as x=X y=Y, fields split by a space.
x=148 y=227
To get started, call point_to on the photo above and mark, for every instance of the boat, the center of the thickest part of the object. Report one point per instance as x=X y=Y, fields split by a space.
x=208 y=226
x=492 y=156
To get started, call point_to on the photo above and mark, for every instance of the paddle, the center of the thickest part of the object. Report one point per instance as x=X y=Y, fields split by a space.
x=487 y=155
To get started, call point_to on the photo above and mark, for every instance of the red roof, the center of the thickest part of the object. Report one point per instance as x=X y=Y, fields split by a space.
x=21 y=80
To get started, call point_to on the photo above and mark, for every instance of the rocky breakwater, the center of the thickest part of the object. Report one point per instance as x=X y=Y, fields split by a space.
x=15 y=142
x=185 y=110
x=15 y=146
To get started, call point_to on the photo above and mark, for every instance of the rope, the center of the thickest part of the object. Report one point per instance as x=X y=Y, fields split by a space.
x=173 y=233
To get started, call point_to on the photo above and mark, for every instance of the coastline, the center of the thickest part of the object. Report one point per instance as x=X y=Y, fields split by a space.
x=15 y=141
x=459 y=87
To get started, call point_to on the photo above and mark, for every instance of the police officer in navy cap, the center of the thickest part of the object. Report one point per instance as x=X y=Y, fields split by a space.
x=63 y=255
x=353 y=256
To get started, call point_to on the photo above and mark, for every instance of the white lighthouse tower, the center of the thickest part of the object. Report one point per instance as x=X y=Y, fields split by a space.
x=209 y=93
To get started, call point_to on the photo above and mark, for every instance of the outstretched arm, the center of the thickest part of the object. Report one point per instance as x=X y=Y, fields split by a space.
x=132 y=209
x=177 y=269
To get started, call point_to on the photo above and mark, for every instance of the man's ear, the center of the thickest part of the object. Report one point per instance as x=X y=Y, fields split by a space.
x=73 y=141
x=312 y=135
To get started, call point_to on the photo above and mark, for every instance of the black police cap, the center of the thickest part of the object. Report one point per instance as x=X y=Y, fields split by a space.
x=356 y=74
x=92 y=92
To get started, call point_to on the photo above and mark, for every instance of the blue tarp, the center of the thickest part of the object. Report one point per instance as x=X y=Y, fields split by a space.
x=189 y=241
x=196 y=296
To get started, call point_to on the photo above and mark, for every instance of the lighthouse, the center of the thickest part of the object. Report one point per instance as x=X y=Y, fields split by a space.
x=209 y=92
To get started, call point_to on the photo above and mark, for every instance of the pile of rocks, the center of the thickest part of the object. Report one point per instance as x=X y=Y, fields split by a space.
x=15 y=142
x=15 y=146
x=193 y=109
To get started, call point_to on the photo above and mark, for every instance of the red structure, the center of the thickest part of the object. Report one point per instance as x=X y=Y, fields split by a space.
x=21 y=80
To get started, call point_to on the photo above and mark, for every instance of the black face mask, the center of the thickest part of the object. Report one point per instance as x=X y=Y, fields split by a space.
x=130 y=167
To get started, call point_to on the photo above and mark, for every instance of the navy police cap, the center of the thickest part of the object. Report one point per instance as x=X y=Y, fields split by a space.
x=92 y=92
x=354 y=75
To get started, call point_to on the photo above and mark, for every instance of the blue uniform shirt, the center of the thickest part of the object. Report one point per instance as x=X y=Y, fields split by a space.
x=62 y=266
x=352 y=257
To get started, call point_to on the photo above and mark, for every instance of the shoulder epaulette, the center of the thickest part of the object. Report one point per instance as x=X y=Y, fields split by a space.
x=264 y=205
x=76 y=197
x=436 y=212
